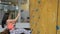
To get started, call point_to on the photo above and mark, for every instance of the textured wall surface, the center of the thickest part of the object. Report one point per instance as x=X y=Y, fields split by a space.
x=43 y=16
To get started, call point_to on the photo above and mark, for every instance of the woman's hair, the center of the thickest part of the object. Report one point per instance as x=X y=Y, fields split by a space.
x=6 y=31
x=5 y=17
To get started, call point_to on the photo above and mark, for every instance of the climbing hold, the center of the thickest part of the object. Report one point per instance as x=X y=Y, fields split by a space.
x=37 y=9
x=57 y=28
x=38 y=32
x=39 y=17
x=39 y=1
x=33 y=16
x=31 y=29
x=22 y=10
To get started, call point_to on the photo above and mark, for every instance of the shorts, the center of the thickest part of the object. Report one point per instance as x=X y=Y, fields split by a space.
x=19 y=31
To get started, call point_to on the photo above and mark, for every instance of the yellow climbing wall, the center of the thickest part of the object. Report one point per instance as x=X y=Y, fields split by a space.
x=34 y=14
x=43 y=15
x=58 y=31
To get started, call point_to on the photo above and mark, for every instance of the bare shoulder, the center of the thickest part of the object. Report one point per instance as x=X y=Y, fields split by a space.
x=11 y=21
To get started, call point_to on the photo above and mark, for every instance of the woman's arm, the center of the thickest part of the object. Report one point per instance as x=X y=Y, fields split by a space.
x=17 y=16
x=13 y=20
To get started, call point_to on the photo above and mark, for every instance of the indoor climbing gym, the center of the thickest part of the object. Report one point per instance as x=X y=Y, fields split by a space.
x=29 y=17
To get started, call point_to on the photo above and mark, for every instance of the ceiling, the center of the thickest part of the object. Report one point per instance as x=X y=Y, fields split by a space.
x=10 y=0
x=13 y=1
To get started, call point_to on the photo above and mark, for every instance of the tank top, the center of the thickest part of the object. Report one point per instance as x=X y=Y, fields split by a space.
x=10 y=26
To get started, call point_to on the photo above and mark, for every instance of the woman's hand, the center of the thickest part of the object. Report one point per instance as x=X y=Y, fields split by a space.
x=17 y=16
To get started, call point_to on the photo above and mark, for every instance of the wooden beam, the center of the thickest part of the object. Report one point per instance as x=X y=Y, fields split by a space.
x=58 y=24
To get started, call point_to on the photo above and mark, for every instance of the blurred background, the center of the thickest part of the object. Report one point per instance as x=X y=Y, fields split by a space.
x=14 y=7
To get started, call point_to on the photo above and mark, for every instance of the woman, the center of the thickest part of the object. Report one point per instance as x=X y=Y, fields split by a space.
x=9 y=22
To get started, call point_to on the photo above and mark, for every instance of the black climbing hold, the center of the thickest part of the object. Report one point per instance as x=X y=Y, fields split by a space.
x=22 y=10
x=28 y=17
x=57 y=28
